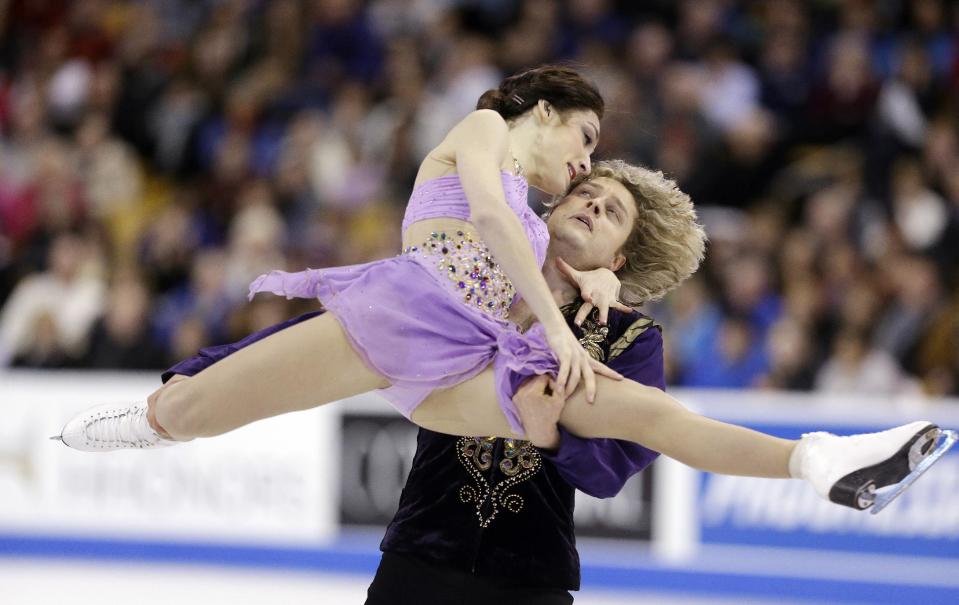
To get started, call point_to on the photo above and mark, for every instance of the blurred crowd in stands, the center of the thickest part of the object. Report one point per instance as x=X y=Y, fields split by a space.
x=157 y=155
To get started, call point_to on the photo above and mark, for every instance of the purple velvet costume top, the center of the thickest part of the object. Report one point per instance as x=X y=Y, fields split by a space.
x=435 y=315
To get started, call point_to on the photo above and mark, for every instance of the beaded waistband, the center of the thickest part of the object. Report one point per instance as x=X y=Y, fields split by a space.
x=472 y=272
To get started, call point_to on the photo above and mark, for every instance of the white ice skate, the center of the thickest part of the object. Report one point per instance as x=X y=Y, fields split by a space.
x=112 y=427
x=850 y=470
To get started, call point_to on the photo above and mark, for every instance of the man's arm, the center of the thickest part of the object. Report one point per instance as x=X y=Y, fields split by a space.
x=210 y=355
x=600 y=467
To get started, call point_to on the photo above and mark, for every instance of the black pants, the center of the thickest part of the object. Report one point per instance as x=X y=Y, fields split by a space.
x=402 y=580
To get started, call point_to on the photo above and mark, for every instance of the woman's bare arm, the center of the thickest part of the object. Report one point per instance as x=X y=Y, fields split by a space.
x=480 y=145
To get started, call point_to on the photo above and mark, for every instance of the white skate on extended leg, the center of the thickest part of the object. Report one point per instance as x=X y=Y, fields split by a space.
x=850 y=470
x=112 y=427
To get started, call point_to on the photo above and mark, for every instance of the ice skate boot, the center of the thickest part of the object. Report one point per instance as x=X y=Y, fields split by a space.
x=850 y=470
x=112 y=427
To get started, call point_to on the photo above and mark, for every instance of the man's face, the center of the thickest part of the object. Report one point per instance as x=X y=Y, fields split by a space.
x=592 y=223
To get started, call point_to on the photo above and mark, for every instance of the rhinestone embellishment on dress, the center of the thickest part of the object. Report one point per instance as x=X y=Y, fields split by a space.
x=468 y=265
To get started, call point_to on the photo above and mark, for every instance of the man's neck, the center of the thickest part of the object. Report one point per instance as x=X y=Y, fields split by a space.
x=563 y=291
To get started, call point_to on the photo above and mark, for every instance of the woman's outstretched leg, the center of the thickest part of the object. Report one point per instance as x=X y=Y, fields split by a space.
x=646 y=415
x=302 y=366
x=846 y=470
x=625 y=410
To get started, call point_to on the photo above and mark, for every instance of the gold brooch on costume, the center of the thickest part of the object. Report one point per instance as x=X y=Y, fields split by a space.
x=594 y=335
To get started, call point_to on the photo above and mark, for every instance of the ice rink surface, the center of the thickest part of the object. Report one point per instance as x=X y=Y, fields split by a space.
x=44 y=582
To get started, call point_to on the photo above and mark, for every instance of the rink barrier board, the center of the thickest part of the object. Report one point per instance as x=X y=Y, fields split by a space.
x=51 y=526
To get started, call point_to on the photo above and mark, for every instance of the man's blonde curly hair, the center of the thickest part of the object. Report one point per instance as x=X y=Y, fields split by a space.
x=666 y=245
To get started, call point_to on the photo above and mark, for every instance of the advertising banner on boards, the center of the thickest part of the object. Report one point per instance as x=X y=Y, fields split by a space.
x=267 y=483
x=744 y=511
x=788 y=514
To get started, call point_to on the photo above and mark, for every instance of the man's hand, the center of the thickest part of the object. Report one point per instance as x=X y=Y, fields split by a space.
x=540 y=405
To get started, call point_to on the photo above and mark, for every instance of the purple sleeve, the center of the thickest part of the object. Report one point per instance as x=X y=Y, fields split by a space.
x=210 y=355
x=600 y=467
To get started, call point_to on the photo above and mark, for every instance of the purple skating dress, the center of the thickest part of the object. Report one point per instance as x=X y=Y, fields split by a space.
x=435 y=315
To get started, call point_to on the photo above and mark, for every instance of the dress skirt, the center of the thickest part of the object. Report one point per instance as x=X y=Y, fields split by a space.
x=426 y=320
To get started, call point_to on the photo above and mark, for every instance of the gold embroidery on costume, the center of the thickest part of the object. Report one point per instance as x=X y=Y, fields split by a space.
x=630 y=335
x=520 y=462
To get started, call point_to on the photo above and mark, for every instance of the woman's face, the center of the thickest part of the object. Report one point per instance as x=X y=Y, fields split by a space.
x=563 y=145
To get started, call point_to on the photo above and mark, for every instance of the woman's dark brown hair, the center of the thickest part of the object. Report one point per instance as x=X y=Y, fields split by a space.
x=561 y=86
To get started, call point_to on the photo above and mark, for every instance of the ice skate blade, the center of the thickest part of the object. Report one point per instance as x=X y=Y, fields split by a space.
x=882 y=500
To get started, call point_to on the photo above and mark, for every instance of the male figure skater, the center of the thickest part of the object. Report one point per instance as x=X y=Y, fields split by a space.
x=483 y=519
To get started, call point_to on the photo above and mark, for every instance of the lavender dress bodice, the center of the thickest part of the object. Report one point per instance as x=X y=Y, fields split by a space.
x=443 y=197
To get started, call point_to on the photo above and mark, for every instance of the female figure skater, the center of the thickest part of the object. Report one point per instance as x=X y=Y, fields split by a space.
x=421 y=325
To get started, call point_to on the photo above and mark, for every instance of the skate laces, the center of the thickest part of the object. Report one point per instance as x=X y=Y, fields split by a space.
x=121 y=426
